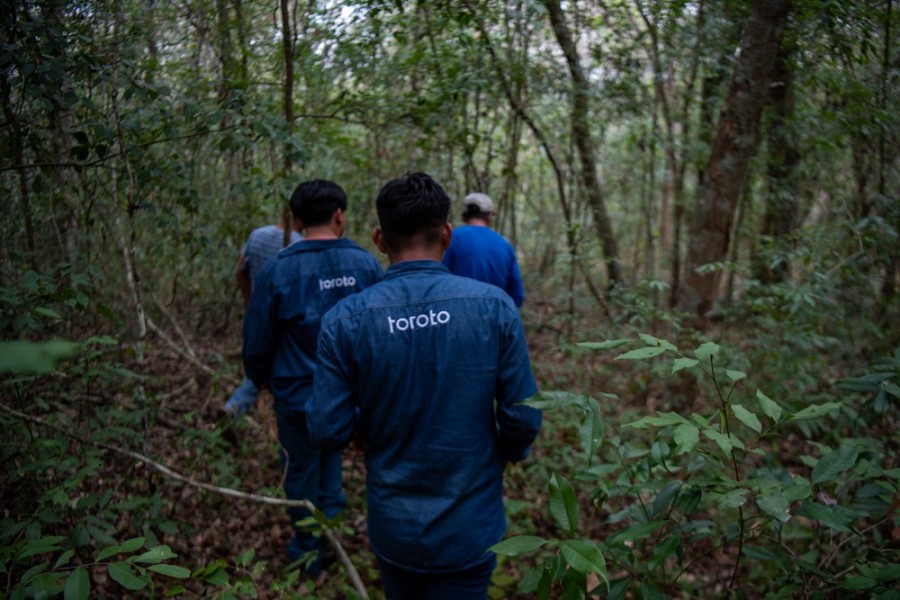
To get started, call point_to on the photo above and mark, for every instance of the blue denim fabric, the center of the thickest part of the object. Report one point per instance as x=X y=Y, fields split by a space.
x=430 y=368
x=471 y=584
x=289 y=298
x=243 y=397
x=294 y=290
x=481 y=253
x=308 y=475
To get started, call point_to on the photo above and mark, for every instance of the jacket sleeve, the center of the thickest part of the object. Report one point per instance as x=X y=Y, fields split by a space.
x=259 y=330
x=331 y=414
x=517 y=424
x=514 y=286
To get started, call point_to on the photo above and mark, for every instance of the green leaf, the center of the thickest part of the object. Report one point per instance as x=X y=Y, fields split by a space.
x=563 y=503
x=557 y=399
x=247 y=557
x=636 y=532
x=776 y=506
x=78 y=585
x=834 y=463
x=769 y=407
x=859 y=583
x=125 y=576
x=662 y=419
x=591 y=431
x=34 y=358
x=705 y=351
x=171 y=571
x=683 y=363
x=799 y=490
x=815 y=411
x=584 y=556
x=686 y=436
x=606 y=345
x=734 y=498
x=155 y=555
x=735 y=375
x=889 y=572
x=827 y=515
x=746 y=417
x=655 y=341
x=726 y=442
x=125 y=547
x=516 y=546
x=64 y=558
x=641 y=353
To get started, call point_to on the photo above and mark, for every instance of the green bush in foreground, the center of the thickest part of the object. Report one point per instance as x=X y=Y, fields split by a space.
x=718 y=500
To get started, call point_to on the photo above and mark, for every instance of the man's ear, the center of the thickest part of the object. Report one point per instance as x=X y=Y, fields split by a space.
x=338 y=221
x=378 y=238
x=446 y=235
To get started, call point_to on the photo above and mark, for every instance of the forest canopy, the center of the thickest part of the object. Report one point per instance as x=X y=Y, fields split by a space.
x=712 y=184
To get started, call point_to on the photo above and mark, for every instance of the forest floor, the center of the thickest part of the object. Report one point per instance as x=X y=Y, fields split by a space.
x=193 y=436
x=242 y=454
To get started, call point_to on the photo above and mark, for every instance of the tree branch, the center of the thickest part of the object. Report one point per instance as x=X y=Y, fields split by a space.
x=327 y=532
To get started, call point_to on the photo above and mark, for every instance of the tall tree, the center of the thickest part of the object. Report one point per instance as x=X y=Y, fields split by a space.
x=581 y=134
x=781 y=208
x=732 y=149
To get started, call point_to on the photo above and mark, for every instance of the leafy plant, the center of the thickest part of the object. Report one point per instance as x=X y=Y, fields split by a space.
x=712 y=495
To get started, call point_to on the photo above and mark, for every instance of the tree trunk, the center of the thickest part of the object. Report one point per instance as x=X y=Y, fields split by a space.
x=581 y=134
x=732 y=149
x=287 y=42
x=780 y=217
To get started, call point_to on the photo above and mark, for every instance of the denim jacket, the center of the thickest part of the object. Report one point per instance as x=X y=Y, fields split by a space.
x=289 y=297
x=429 y=368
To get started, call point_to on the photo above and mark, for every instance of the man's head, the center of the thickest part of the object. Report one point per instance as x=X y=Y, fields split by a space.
x=478 y=206
x=413 y=212
x=314 y=202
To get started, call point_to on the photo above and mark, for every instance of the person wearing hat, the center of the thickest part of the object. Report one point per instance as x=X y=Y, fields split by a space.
x=478 y=252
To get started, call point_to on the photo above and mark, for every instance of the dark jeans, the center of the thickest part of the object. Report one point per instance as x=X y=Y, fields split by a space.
x=310 y=475
x=471 y=584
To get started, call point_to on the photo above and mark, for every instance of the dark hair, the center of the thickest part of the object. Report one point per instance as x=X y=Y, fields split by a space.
x=473 y=212
x=315 y=201
x=410 y=206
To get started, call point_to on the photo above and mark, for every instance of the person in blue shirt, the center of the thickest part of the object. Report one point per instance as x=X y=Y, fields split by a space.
x=427 y=370
x=281 y=326
x=262 y=244
x=479 y=252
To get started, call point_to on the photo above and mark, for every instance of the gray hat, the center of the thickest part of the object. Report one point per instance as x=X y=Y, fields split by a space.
x=482 y=201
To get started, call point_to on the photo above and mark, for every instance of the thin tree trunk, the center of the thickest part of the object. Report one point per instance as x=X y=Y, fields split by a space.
x=571 y=241
x=581 y=133
x=780 y=216
x=732 y=150
x=287 y=42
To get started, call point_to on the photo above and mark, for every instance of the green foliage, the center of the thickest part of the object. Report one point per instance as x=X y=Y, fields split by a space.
x=679 y=492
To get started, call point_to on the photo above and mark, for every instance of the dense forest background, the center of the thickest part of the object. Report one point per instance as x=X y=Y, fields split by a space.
x=704 y=199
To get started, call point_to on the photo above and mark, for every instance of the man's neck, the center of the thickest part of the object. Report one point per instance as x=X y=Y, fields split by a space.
x=320 y=232
x=409 y=254
x=478 y=222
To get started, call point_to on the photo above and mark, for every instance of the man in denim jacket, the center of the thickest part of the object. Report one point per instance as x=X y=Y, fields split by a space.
x=280 y=329
x=428 y=369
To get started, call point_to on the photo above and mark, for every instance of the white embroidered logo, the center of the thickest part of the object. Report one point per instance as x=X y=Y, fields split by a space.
x=345 y=281
x=421 y=321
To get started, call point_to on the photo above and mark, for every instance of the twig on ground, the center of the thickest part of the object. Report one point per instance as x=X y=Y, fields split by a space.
x=328 y=533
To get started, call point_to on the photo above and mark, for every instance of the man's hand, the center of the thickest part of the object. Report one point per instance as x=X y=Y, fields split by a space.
x=242 y=399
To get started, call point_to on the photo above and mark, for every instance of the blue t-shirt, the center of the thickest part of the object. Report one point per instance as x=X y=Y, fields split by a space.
x=281 y=325
x=430 y=369
x=481 y=253
x=262 y=244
